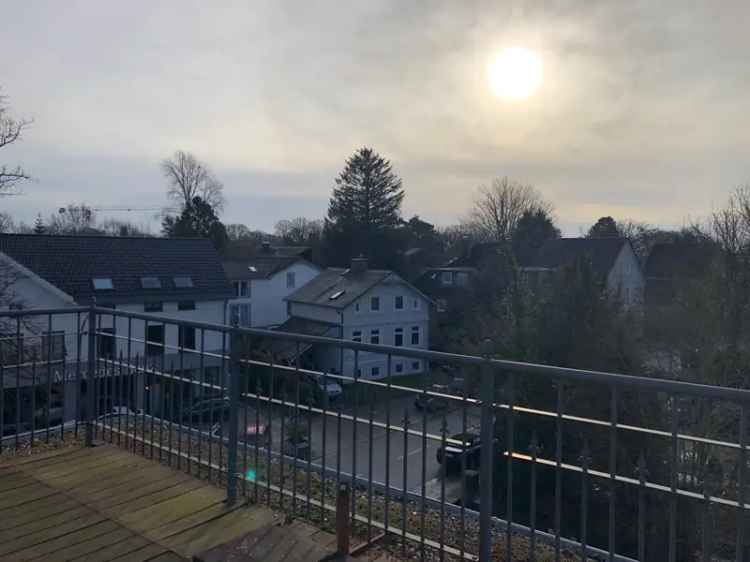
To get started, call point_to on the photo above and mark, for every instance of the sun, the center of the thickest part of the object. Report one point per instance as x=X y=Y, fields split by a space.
x=515 y=73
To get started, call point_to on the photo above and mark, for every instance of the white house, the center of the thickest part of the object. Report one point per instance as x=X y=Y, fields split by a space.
x=363 y=305
x=261 y=281
x=612 y=258
x=179 y=278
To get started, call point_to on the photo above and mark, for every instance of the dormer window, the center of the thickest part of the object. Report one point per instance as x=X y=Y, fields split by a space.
x=183 y=282
x=150 y=283
x=102 y=284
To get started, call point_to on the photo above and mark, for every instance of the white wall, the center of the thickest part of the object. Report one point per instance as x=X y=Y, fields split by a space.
x=313 y=312
x=626 y=278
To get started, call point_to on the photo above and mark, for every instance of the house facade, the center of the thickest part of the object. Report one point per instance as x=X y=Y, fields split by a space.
x=178 y=278
x=262 y=280
x=364 y=305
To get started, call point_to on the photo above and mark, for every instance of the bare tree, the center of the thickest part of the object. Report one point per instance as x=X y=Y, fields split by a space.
x=299 y=230
x=730 y=226
x=11 y=130
x=73 y=219
x=189 y=178
x=6 y=223
x=498 y=207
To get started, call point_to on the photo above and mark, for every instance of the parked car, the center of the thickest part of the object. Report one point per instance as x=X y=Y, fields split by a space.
x=252 y=435
x=330 y=387
x=120 y=411
x=207 y=410
x=432 y=404
x=451 y=456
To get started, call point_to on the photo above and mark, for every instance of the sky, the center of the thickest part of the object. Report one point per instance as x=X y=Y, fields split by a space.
x=641 y=114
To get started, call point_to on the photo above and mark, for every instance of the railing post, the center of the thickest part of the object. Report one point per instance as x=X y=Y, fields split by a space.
x=343 y=521
x=234 y=400
x=486 y=467
x=91 y=376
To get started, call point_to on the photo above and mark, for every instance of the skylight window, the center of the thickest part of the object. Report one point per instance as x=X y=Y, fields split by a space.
x=183 y=282
x=252 y=268
x=150 y=283
x=102 y=284
x=336 y=295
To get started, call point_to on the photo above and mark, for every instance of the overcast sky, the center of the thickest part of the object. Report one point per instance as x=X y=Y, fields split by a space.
x=642 y=113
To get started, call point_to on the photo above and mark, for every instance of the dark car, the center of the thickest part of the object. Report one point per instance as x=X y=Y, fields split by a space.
x=432 y=403
x=469 y=446
x=210 y=410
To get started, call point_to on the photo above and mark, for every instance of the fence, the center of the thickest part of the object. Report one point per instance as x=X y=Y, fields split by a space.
x=505 y=460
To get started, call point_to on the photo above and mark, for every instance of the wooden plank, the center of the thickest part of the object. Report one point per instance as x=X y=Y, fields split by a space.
x=76 y=464
x=92 y=545
x=167 y=557
x=112 y=551
x=13 y=498
x=148 y=552
x=45 y=535
x=130 y=492
x=44 y=507
x=145 y=472
x=164 y=494
x=173 y=509
x=191 y=521
x=220 y=530
x=91 y=476
x=46 y=549
x=40 y=523
x=15 y=480
x=38 y=458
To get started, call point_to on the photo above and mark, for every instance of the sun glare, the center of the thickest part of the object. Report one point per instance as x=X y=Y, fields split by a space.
x=515 y=73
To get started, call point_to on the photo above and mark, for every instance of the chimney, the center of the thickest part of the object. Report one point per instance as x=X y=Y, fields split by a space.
x=359 y=265
x=266 y=247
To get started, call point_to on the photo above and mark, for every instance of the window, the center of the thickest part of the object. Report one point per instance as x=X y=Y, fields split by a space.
x=356 y=307
x=291 y=281
x=399 y=367
x=375 y=336
x=154 y=306
x=375 y=372
x=415 y=304
x=240 y=313
x=245 y=315
x=462 y=279
x=186 y=305
x=53 y=345
x=416 y=365
x=150 y=283
x=374 y=303
x=154 y=339
x=105 y=343
x=103 y=284
x=415 y=335
x=398 y=303
x=186 y=337
x=446 y=278
x=357 y=336
x=398 y=337
x=240 y=289
x=183 y=282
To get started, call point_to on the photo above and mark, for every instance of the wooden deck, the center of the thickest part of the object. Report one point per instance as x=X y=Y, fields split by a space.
x=104 y=503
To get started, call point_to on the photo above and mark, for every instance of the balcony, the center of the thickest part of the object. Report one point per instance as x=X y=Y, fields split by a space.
x=479 y=459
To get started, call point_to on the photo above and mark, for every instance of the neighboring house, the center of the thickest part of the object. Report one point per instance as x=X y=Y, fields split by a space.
x=671 y=265
x=261 y=280
x=612 y=258
x=179 y=278
x=364 y=305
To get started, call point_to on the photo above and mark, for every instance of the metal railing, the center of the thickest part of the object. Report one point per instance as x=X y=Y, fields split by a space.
x=502 y=458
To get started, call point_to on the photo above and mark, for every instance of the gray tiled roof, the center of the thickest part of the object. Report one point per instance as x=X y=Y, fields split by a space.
x=71 y=262
x=257 y=267
x=559 y=252
x=334 y=280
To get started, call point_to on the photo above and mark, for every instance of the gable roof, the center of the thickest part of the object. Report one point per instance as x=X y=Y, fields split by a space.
x=669 y=260
x=351 y=285
x=258 y=267
x=478 y=254
x=560 y=252
x=70 y=263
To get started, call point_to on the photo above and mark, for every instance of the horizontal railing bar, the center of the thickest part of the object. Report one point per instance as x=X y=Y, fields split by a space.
x=43 y=311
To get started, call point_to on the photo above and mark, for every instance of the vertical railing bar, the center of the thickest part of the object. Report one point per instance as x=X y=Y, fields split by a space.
x=405 y=487
x=355 y=422
x=98 y=378
x=370 y=463
x=612 y=472
x=171 y=406
x=282 y=460
x=323 y=446
x=740 y=550
x=673 y=484
x=19 y=360
x=151 y=391
x=422 y=515
x=464 y=423
x=202 y=389
x=534 y=451
x=338 y=449
x=163 y=386
x=705 y=534
x=79 y=345
x=257 y=444
x=270 y=432
x=443 y=444
x=233 y=384
x=642 y=474
x=387 y=514
x=296 y=421
x=180 y=394
x=33 y=398
x=308 y=474
x=486 y=458
x=111 y=388
x=64 y=383
x=222 y=391
x=585 y=460
x=121 y=400
x=211 y=426
x=190 y=389
x=49 y=375
x=130 y=403
x=509 y=482
x=558 y=469
x=2 y=396
x=245 y=400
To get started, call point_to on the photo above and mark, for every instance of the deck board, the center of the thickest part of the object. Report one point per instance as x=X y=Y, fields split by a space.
x=105 y=504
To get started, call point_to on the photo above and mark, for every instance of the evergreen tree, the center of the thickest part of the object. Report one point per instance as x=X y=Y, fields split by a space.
x=39 y=227
x=364 y=211
x=533 y=229
x=605 y=227
x=196 y=220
